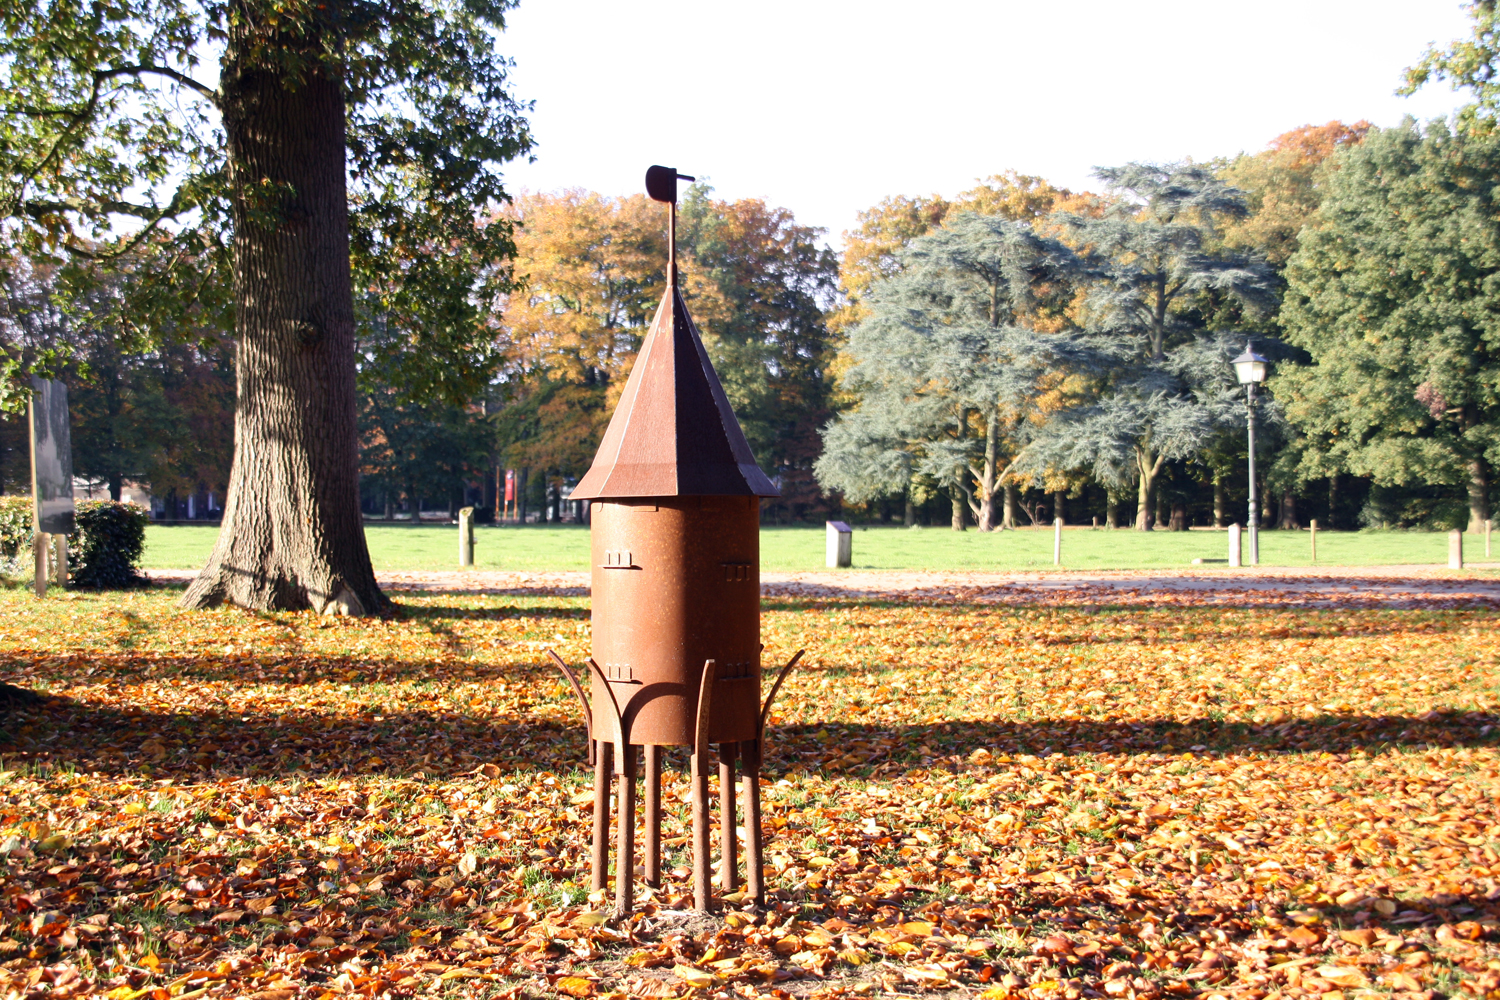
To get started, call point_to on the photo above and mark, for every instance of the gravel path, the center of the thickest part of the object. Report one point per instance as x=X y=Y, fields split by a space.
x=1383 y=586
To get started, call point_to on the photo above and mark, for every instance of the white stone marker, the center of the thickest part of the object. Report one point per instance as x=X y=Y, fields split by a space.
x=466 y=536
x=1455 y=549
x=1234 y=544
x=840 y=547
x=1057 y=541
x=1312 y=527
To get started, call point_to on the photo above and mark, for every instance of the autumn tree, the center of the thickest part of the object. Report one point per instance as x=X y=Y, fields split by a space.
x=334 y=140
x=766 y=281
x=1283 y=187
x=872 y=248
x=593 y=270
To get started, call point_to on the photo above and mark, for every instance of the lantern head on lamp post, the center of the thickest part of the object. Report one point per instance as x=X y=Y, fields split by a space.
x=1250 y=369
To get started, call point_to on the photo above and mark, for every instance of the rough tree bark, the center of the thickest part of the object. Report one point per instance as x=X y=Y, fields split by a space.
x=1008 y=521
x=985 y=515
x=1111 y=510
x=1479 y=495
x=1147 y=469
x=292 y=536
x=1288 y=518
x=1059 y=506
x=1219 y=500
x=958 y=511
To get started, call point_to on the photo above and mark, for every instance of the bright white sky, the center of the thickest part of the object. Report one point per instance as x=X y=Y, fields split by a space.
x=827 y=106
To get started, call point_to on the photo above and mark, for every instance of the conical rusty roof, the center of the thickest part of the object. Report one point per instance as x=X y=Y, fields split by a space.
x=674 y=433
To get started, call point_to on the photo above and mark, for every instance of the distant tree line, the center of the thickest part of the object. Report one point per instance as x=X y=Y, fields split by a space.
x=1012 y=354
x=1069 y=356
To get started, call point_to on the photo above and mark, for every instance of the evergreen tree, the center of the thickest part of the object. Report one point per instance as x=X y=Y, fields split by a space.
x=1395 y=296
x=1162 y=385
x=948 y=364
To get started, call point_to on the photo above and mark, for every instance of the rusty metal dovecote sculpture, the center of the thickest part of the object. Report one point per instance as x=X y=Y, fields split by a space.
x=674 y=496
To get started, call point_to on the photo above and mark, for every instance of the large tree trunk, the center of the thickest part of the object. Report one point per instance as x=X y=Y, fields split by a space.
x=909 y=515
x=1479 y=495
x=1008 y=518
x=1219 y=500
x=987 y=514
x=958 y=511
x=1288 y=518
x=1146 y=470
x=292 y=536
x=1111 y=510
x=1059 y=506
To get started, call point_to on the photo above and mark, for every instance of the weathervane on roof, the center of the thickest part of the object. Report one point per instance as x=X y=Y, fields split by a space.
x=675 y=513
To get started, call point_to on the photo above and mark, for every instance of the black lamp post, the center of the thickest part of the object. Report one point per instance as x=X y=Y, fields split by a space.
x=1250 y=368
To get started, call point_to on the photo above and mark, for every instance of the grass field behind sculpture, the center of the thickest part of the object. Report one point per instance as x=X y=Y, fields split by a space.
x=1026 y=794
x=566 y=547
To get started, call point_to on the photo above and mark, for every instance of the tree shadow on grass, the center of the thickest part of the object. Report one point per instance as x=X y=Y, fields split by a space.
x=121 y=740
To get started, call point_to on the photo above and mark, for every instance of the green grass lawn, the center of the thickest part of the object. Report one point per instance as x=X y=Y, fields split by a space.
x=542 y=548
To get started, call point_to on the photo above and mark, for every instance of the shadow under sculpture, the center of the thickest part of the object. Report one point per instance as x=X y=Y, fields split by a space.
x=674 y=504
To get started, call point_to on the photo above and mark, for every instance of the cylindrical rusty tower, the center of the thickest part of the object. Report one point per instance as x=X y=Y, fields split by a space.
x=674 y=496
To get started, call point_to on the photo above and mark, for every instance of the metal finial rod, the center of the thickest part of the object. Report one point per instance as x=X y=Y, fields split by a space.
x=661 y=185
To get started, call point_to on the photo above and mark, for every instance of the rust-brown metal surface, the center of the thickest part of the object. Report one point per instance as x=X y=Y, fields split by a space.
x=676 y=582
x=675 y=513
x=673 y=433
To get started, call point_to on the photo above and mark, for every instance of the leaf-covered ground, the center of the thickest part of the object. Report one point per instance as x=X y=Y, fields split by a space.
x=1039 y=793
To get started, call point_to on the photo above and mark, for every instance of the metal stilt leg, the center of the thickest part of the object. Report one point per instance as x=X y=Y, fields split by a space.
x=602 y=753
x=625 y=851
x=652 y=847
x=754 y=862
x=728 y=860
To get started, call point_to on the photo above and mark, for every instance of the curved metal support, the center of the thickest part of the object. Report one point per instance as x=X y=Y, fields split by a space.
x=583 y=702
x=765 y=709
x=702 y=871
x=705 y=695
x=619 y=736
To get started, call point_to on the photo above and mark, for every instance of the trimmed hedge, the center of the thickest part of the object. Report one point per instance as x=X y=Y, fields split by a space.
x=15 y=534
x=103 y=551
x=109 y=541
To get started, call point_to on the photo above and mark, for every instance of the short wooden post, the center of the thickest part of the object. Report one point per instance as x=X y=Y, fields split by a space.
x=1312 y=527
x=1234 y=544
x=39 y=555
x=840 y=545
x=466 y=536
x=1455 y=549
x=60 y=560
x=1057 y=541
